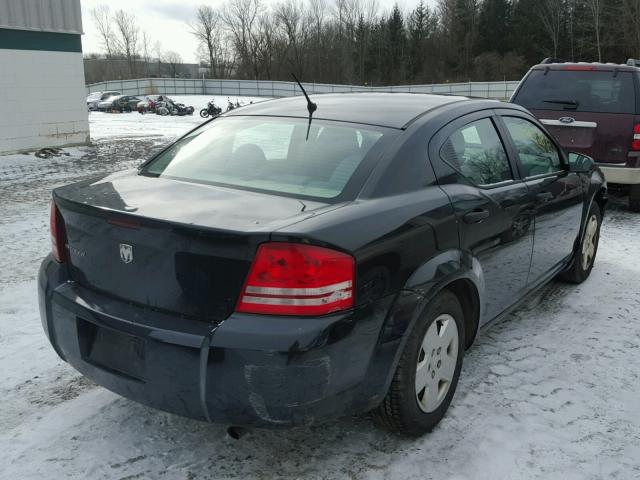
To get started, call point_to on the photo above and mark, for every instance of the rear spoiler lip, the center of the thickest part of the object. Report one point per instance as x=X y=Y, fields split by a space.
x=119 y=216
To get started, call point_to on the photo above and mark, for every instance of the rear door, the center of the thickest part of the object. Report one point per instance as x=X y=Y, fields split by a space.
x=493 y=206
x=557 y=193
x=588 y=111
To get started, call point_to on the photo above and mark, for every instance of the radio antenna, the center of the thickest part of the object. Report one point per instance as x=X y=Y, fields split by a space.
x=311 y=107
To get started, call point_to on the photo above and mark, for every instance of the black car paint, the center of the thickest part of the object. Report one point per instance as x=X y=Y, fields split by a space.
x=404 y=227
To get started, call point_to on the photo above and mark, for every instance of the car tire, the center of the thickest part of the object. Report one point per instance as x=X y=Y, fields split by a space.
x=634 y=198
x=585 y=256
x=435 y=347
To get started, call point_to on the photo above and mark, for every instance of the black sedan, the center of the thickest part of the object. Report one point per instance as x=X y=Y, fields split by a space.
x=120 y=103
x=266 y=271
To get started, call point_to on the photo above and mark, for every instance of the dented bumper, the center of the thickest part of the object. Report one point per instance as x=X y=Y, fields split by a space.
x=248 y=370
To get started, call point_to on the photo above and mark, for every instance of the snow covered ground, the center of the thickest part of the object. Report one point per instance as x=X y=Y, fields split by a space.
x=132 y=125
x=550 y=392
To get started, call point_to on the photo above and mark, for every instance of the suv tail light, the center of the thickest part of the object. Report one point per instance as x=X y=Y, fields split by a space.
x=57 y=234
x=296 y=279
x=635 y=145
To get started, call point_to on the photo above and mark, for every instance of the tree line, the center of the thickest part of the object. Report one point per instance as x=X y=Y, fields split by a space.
x=356 y=42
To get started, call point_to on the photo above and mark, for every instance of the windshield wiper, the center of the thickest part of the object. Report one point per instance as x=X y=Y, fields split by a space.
x=569 y=103
x=311 y=107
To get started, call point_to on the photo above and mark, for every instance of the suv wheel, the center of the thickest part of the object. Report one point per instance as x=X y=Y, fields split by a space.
x=427 y=374
x=585 y=255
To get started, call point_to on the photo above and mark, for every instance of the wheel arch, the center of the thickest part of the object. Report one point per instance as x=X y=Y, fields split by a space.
x=467 y=293
x=452 y=271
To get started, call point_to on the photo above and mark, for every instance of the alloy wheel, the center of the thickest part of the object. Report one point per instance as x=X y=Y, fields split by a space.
x=589 y=242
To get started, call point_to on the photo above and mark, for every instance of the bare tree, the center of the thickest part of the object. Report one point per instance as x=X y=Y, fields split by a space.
x=631 y=11
x=146 y=52
x=596 y=8
x=173 y=59
x=551 y=17
x=157 y=48
x=242 y=19
x=206 y=29
x=102 y=19
x=127 y=37
x=291 y=19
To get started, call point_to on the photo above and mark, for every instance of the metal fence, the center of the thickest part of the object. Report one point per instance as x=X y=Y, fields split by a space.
x=267 y=88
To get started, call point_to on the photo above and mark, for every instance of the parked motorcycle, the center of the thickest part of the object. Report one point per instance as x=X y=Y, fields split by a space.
x=211 y=110
x=233 y=106
x=172 y=108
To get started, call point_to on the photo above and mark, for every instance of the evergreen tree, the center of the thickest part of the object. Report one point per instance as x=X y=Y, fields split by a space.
x=397 y=41
x=494 y=25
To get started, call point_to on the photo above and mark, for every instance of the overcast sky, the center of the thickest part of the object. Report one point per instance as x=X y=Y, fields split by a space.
x=165 y=21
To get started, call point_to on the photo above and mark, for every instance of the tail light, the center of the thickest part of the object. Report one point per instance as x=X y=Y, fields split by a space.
x=635 y=145
x=57 y=234
x=580 y=68
x=296 y=279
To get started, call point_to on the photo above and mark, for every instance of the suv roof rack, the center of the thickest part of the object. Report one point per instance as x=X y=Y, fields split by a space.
x=549 y=60
x=633 y=62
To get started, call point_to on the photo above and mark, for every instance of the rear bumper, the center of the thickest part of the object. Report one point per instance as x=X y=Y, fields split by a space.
x=247 y=370
x=620 y=174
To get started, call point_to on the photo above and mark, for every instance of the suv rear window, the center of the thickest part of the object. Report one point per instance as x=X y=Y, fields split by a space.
x=269 y=154
x=578 y=90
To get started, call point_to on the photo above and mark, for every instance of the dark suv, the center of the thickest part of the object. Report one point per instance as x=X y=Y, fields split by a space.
x=591 y=108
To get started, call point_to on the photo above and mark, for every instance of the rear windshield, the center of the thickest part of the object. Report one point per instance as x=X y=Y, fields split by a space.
x=269 y=154
x=582 y=91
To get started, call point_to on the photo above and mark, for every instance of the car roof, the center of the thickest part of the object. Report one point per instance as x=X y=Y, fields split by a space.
x=585 y=66
x=395 y=110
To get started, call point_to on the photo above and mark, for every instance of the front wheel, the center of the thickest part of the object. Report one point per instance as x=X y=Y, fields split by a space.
x=204 y=113
x=585 y=255
x=427 y=374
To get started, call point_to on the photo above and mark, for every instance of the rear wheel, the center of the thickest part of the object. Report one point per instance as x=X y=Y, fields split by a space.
x=585 y=255
x=634 y=198
x=427 y=374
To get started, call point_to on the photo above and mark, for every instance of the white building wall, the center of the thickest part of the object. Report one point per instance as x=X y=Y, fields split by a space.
x=42 y=100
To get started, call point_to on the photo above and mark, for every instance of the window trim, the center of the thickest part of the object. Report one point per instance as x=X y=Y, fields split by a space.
x=469 y=119
x=508 y=139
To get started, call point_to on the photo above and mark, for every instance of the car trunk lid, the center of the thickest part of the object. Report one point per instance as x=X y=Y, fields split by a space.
x=169 y=245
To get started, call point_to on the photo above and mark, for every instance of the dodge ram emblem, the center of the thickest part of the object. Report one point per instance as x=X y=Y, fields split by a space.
x=126 y=253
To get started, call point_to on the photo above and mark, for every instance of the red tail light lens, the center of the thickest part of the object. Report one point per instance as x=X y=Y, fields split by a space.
x=295 y=279
x=635 y=145
x=580 y=68
x=56 y=224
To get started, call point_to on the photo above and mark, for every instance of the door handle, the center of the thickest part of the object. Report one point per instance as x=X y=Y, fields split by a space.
x=475 y=216
x=544 y=197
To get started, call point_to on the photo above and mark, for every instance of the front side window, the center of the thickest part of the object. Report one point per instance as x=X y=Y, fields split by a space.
x=476 y=152
x=538 y=154
x=269 y=154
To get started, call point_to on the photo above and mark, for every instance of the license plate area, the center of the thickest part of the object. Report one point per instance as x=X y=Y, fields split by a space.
x=111 y=350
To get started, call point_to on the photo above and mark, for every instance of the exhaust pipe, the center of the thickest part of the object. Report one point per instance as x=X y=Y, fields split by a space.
x=237 y=432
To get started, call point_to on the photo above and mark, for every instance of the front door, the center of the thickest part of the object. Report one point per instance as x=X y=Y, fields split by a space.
x=557 y=194
x=494 y=208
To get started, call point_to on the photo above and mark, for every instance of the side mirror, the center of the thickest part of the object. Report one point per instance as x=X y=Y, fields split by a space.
x=580 y=163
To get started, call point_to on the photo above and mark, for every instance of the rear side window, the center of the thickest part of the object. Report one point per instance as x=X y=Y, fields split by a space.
x=538 y=155
x=581 y=91
x=476 y=152
x=270 y=154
